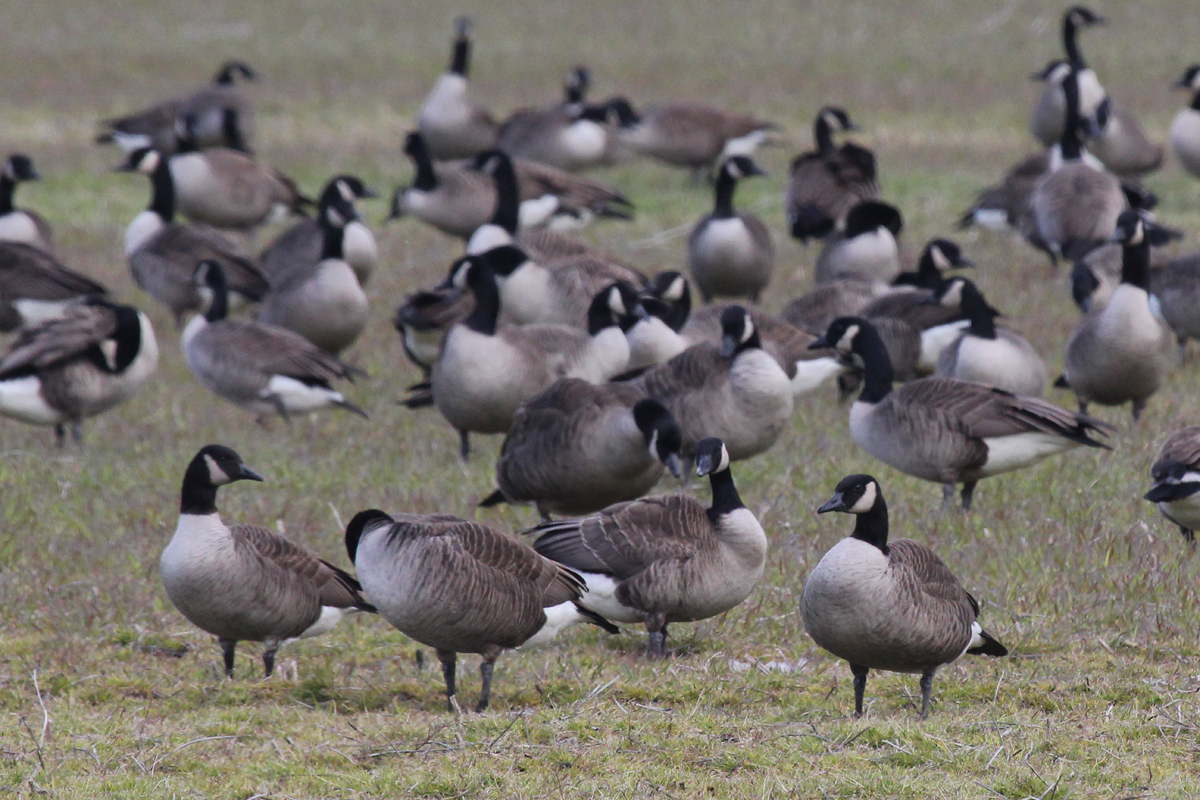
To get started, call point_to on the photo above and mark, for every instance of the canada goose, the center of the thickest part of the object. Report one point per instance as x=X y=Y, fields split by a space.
x=35 y=287
x=451 y=122
x=263 y=368
x=1049 y=116
x=154 y=127
x=731 y=254
x=688 y=135
x=846 y=297
x=96 y=356
x=865 y=248
x=18 y=224
x=884 y=605
x=735 y=391
x=1176 y=474
x=578 y=448
x=936 y=317
x=950 y=431
x=1121 y=353
x=666 y=558
x=163 y=253
x=245 y=583
x=656 y=337
x=827 y=182
x=322 y=301
x=1097 y=274
x=300 y=245
x=1176 y=287
x=461 y=587
x=938 y=256
x=1006 y=205
x=1075 y=205
x=571 y=135
x=423 y=319
x=1185 y=128
x=1121 y=144
x=987 y=354
x=484 y=373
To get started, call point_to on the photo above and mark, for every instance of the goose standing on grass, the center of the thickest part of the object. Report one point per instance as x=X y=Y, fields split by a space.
x=950 y=431
x=884 y=605
x=865 y=247
x=667 y=558
x=96 y=356
x=1176 y=474
x=461 y=587
x=990 y=355
x=731 y=254
x=19 y=224
x=1122 y=352
x=300 y=246
x=163 y=253
x=35 y=287
x=245 y=583
x=1049 y=117
x=263 y=368
x=827 y=182
x=453 y=124
x=577 y=448
x=1185 y=128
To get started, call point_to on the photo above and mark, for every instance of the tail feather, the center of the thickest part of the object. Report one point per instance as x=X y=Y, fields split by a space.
x=346 y=404
x=494 y=499
x=990 y=647
x=600 y=621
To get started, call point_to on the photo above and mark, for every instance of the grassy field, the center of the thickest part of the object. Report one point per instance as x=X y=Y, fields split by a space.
x=106 y=691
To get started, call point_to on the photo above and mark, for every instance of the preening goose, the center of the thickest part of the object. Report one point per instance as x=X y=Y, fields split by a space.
x=19 y=224
x=263 y=368
x=423 y=319
x=154 y=127
x=35 y=287
x=847 y=297
x=656 y=337
x=1122 y=352
x=163 y=253
x=461 y=587
x=577 y=448
x=731 y=254
x=1185 y=128
x=990 y=355
x=892 y=606
x=96 y=356
x=864 y=248
x=300 y=246
x=1006 y=205
x=570 y=135
x=1176 y=475
x=453 y=124
x=950 y=431
x=245 y=583
x=1049 y=116
x=827 y=182
x=666 y=558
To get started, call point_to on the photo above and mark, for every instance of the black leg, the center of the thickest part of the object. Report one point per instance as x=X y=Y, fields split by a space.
x=464 y=445
x=228 y=646
x=449 y=659
x=860 y=687
x=1082 y=406
x=1138 y=407
x=1189 y=535
x=968 y=491
x=926 y=691
x=269 y=657
x=485 y=692
x=277 y=401
x=77 y=432
x=947 y=495
x=60 y=435
x=544 y=513
x=656 y=624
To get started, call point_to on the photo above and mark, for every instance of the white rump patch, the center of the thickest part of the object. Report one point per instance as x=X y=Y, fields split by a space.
x=298 y=397
x=558 y=617
x=601 y=597
x=1007 y=453
x=330 y=616
x=21 y=398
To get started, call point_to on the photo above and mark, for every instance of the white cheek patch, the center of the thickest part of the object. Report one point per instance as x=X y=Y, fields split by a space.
x=150 y=162
x=346 y=192
x=939 y=258
x=1187 y=477
x=748 y=328
x=867 y=501
x=216 y=475
x=846 y=343
x=724 y=465
x=9 y=172
x=108 y=348
x=616 y=303
x=654 y=445
x=674 y=292
x=460 y=277
x=1139 y=233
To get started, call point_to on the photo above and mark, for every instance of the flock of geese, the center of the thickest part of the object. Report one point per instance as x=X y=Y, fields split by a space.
x=602 y=378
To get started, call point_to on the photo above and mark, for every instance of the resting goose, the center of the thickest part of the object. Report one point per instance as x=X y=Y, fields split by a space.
x=299 y=247
x=731 y=254
x=827 y=182
x=577 y=448
x=263 y=368
x=93 y=358
x=667 y=558
x=245 y=583
x=461 y=587
x=1049 y=117
x=1185 y=128
x=455 y=125
x=570 y=135
x=35 y=287
x=1176 y=474
x=864 y=248
x=19 y=224
x=884 y=605
x=950 y=431
x=990 y=355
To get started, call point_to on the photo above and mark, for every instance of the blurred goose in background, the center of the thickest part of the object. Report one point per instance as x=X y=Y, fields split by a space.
x=244 y=582
x=570 y=135
x=453 y=125
x=949 y=431
x=731 y=254
x=462 y=587
x=93 y=358
x=154 y=127
x=263 y=368
x=1005 y=206
x=163 y=253
x=1185 y=128
x=990 y=355
x=1121 y=144
x=19 y=224
x=578 y=447
x=35 y=287
x=827 y=182
x=1049 y=117
x=666 y=558
x=865 y=247
x=423 y=319
x=888 y=605
x=1176 y=475
x=300 y=245
x=1121 y=353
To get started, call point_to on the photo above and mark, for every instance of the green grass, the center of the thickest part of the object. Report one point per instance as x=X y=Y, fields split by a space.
x=1094 y=593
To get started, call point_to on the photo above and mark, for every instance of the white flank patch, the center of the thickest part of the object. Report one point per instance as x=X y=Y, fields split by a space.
x=814 y=372
x=558 y=617
x=1007 y=453
x=17 y=226
x=21 y=398
x=601 y=597
x=299 y=397
x=937 y=339
x=144 y=225
x=330 y=616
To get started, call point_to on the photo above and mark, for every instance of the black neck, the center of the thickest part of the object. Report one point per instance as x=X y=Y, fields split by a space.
x=1071 y=143
x=508 y=201
x=600 y=315
x=726 y=184
x=1196 y=101
x=198 y=496
x=162 y=190
x=460 y=61
x=231 y=130
x=928 y=275
x=7 y=187
x=983 y=322
x=332 y=239
x=220 y=296
x=877 y=365
x=872 y=526
x=1135 y=264
x=725 y=497
x=1070 y=43
x=128 y=336
x=487 y=301
x=426 y=178
x=823 y=136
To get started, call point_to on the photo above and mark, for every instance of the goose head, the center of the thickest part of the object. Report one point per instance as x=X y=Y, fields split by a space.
x=230 y=70
x=19 y=167
x=712 y=457
x=854 y=494
x=1190 y=79
x=738 y=167
x=144 y=160
x=837 y=119
x=737 y=332
x=1177 y=482
x=662 y=433
x=870 y=216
